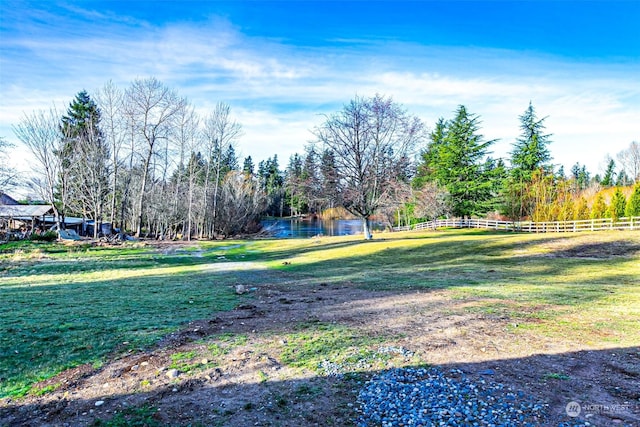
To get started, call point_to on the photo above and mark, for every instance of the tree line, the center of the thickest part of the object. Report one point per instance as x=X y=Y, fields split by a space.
x=142 y=159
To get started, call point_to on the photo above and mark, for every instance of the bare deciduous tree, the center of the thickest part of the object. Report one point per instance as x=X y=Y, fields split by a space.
x=111 y=100
x=151 y=107
x=189 y=142
x=431 y=201
x=629 y=159
x=370 y=138
x=399 y=193
x=8 y=174
x=241 y=202
x=88 y=177
x=85 y=159
x=220 y=132
x=40 y=132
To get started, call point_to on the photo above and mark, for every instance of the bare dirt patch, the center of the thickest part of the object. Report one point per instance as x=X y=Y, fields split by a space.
x=246 y=382
x=594 y=250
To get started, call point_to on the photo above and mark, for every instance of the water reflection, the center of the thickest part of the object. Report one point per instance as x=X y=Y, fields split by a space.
x=283 y=228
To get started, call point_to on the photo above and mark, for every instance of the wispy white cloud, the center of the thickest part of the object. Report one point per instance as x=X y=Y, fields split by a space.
x=278 y=91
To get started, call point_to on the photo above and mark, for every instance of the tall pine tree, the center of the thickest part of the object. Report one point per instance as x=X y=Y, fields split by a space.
x=84 y=181
x=247 y=166
x=456 y=159
x=609 y=175
x=530 y=151
x=530 y=156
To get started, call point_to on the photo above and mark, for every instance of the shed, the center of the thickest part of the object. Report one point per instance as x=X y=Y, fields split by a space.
x=16 y=215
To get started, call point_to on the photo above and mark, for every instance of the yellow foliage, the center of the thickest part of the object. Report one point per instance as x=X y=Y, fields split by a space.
x=336 y=213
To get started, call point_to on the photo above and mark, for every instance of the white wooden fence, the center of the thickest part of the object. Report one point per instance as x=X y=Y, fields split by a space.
x=631 y=223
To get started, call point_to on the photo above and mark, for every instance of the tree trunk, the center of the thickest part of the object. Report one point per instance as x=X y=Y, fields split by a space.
x=143 y=185
x=365 y=228
x=189 y=212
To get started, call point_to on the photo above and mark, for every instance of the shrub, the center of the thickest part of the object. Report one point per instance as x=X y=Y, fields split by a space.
x=48 y=236
x=618 y=205
x=582 y=210
x=633 y=205
x=567 y=210
x=599 y=208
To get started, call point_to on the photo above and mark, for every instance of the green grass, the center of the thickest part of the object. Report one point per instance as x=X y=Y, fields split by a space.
x=314 y=342
x=184 y=362
x=69 y=308
x=584 y=284
x=63 y=306
x=131 y=417
x=556 y=376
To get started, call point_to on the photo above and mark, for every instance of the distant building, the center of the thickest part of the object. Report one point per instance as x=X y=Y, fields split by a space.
x=17 y=218
x=14 y=216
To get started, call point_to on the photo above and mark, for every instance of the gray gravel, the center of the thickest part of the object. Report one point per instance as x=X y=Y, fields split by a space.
x=432 y=397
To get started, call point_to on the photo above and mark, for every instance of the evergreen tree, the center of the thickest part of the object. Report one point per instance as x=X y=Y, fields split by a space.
x=633 y=205
x=599 y=208
x=329 y=180
x=247 y=166
x=530 y=151
x=84 y=180
x=618 y=205
x=581 y=176
x=608 y=180
x=294 y=186
x=430 y=156
x=229 y=162
x=456 y=160
x=272 y=182
x=496 y=172
x=530 y=156
x=582 y=210
x=310 y=179
x=623 y=179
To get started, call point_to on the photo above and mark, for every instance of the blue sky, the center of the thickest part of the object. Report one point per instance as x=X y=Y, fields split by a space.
x=281 y=65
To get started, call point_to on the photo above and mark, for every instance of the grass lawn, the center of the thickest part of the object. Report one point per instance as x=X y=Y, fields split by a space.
x=63 y=306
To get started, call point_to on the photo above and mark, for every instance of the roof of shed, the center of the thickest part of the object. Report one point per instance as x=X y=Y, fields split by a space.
x=13 y=211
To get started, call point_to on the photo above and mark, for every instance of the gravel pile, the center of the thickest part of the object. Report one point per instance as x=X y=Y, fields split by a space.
x=431 y=397
x=363 y=362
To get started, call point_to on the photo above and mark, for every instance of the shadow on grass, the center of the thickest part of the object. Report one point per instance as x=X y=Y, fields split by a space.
x=56 y=259
x=546 y=275
x=53 y=327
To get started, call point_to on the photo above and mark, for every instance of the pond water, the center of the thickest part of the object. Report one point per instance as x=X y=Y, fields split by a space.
x=284 y=228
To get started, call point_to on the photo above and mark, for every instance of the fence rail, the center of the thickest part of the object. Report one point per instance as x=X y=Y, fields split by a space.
x=630 y=223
